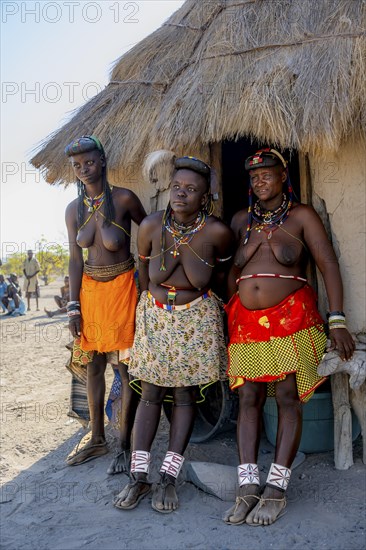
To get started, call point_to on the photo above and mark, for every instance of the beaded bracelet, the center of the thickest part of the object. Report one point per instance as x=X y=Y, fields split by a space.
x=72 y=306
x=337 y=320
x=73 y=313
x=332 y=313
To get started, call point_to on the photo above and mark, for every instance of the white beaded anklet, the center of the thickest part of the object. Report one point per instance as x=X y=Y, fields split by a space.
x=278 y=476
x=248 y=474
x=172 y=464
x=140 y=462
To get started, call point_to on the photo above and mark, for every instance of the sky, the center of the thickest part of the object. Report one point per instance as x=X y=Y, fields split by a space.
x=55 y=56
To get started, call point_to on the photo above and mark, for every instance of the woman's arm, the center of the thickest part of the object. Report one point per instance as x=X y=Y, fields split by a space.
x=224 y=250
x=134 y=205
x=144 y=245
x=75 y=265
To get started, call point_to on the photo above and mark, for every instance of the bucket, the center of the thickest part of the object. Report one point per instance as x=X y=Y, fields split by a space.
x=216 y=414
x=317 y=426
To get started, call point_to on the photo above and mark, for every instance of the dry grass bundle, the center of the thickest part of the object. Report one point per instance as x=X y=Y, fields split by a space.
x=288 y=72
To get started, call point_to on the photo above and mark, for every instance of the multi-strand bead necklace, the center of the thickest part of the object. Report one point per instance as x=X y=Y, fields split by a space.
x=267 y=220
x=183 y=234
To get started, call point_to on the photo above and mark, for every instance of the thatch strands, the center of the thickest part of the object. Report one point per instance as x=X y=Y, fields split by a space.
x=290 y=72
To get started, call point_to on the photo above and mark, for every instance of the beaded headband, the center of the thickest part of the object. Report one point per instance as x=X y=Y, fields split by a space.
x=194 y=164
x=265 y=158
x=84 y=144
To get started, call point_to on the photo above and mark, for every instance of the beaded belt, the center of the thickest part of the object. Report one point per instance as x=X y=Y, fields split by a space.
x=179 y=307
x=274 y=275
x=105 y=271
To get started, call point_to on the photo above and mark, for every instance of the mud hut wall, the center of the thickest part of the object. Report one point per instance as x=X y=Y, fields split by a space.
x=339 y=194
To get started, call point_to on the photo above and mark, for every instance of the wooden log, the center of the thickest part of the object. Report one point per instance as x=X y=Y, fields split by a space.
x=358 y=402
x=216 y=164
x=343 y=458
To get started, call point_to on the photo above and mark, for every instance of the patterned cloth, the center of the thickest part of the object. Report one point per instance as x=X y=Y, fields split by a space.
x=267 y=344
x=79 y=408
x=179 y=348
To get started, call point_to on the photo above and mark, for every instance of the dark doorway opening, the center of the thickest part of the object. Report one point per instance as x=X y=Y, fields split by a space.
x=235 y=179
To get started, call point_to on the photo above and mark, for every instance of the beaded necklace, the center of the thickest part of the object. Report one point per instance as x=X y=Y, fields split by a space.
x=268 y=220
x=93 y=203
x=183 y=234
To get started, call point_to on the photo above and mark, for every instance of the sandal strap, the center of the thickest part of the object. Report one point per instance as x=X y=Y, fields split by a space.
x=138 y=481
x=165 y=481
x=238 y=500
x=262 y=501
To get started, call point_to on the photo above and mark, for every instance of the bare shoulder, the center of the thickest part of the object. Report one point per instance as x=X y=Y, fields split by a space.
x=304 y=214
x=239 y=220
x=218 y=227
x=152 y=221
x=123 y=196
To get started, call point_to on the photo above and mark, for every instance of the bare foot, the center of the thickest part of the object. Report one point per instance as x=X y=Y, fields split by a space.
x=131 y=495
x=49 y=313
x=246 y=500
x=165 y=498
x=120 y=463
x=269 y=508
x=87 y=449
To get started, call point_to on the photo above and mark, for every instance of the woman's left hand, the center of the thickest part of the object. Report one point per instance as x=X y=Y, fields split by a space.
x=343 y=342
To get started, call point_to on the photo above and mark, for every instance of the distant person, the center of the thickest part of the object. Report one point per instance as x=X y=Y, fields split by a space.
x=31 y=268
x=62 y=300
x=12 y=299
x=103 y=292
x=276 y=334
x=3 y=291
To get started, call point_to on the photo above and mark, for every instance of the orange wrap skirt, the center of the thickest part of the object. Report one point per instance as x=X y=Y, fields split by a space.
x=267 y=344
x=108 y=313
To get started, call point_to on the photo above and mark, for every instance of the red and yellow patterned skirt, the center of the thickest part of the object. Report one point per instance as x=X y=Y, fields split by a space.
x=267 y=344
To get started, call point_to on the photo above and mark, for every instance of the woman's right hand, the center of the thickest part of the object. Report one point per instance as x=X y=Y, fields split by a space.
x=75 y=325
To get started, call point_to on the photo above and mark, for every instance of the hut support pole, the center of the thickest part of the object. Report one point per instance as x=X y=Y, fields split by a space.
x=343 y=458
x=358 y=402
x=216 y=164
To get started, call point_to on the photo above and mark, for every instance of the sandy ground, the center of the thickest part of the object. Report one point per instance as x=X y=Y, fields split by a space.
x=48 y=505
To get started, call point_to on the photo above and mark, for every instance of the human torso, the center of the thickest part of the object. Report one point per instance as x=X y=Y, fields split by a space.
x=106 y=245
x=188 y=268
x=65 y=292
x=280 y=252
x=31 y=266
x=13 y=288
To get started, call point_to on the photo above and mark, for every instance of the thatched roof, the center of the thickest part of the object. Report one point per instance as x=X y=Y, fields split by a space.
x=291 y=73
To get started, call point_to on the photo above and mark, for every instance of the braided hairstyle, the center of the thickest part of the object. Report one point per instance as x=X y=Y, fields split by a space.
x=84 y=144
x=204 y=170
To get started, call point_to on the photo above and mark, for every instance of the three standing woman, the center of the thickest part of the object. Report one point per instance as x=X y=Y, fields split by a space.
x=276 y=334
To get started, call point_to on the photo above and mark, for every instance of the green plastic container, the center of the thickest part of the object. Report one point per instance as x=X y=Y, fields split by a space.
x=317 y=427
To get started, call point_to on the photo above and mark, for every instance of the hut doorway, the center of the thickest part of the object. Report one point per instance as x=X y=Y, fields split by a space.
x=235 y=179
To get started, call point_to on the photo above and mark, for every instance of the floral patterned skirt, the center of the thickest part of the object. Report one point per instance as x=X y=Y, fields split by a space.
x=178 y=348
